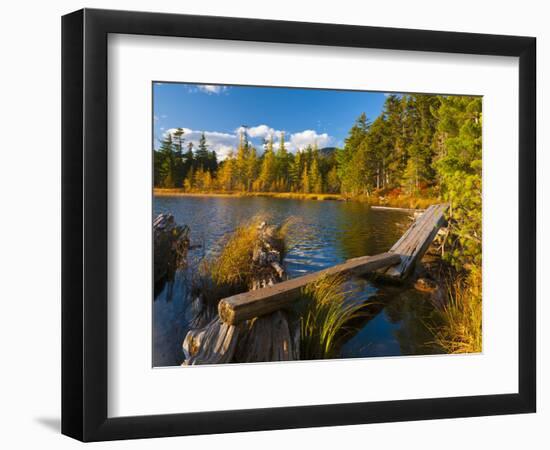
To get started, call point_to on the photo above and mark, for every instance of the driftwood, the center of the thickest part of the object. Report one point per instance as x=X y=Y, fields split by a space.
x=213 y=344
x=171 y=243
x=269 y=338
x=256 y=303
x=414 y=243
x=266 y=338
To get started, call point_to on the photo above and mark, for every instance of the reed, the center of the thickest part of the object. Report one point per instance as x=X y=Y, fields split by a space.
x=327 y=311
x=234 y=263
x=233 y=270
x=461 y=329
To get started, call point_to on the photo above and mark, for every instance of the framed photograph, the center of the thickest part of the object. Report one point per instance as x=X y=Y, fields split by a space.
x=273 y=224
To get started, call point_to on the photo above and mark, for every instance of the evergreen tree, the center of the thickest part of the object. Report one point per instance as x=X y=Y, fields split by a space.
x=189 y=182
x=315 y=179
x=252 y=168
x=458 y=165
x=167 y=170
x=295 y=172
x=241 y=163
x=345 y=157
x=202 y=156
x=226 y=173
x=268 y=171
x=188 y=159
x=306 y=185
x=282 y=164
x=212 y=162
x=333 y=182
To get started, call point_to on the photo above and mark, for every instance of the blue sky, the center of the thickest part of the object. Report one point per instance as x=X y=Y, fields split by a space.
x=305 y=115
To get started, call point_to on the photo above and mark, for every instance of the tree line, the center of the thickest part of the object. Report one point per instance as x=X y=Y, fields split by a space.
x=175 y=168
x=420 y=145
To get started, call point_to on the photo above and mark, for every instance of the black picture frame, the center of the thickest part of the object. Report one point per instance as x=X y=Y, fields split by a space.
x=84 y=224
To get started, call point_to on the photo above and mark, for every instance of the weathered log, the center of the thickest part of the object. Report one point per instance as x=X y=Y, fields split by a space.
x=213 y=344
x=267 y=338
x=415 y=241
x=248 y=305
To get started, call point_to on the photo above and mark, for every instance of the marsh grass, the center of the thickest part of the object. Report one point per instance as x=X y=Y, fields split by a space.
x=461 y=317
x=234 y=263
x=326 y=314
x=232 y=270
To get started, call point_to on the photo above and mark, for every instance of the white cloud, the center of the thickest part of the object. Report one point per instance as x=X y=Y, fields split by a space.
x=259 y=131
x=309 y=137
x=211 y=88
x=223 y=143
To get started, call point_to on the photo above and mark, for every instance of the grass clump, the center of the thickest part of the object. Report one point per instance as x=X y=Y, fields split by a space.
x=233 y=265
x=233 y=269
x=461 y=331
x=326 y=314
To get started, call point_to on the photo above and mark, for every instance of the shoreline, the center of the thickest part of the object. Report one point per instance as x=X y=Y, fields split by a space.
x=394 y=203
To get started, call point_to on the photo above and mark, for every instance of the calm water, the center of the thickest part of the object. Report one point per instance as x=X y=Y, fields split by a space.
x=331 y=232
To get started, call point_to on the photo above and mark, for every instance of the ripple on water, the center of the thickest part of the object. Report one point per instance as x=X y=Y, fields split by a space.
x=331 y=232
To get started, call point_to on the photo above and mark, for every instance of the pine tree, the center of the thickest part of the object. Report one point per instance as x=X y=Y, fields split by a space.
x=188 y=160
x=241 y=163
x=315 y=178
x=226 y=173
x=268 y=171
x=202 y=156
x=178 y=171
x=459 y=166
x=306 y=185
x=333 y=182
x=252 y=168
x=212 y=162
x=189 y=182
x=167 y=163
x=356 y=136
x=282 y=163
x=295 y=172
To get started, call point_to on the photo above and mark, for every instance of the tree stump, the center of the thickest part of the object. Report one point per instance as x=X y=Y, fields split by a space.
x=261 y=339
x=171 y=244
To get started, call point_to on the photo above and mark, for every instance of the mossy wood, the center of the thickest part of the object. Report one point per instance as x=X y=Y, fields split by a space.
x=240 y=307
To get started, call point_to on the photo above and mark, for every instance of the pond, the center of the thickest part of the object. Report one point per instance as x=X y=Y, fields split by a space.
x=332 y=231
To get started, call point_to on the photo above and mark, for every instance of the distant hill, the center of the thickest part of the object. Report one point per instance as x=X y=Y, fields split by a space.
x=327 y=151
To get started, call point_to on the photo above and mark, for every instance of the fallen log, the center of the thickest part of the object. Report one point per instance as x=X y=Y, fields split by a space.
x=414 y=242
x=241 y=307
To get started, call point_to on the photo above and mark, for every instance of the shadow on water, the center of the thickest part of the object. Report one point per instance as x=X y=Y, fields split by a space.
x=397 y=325
x=331 y=232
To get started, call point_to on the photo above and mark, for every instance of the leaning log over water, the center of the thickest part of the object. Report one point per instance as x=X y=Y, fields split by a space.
x=245 y=306
x=171 y=243
x=414 y=243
